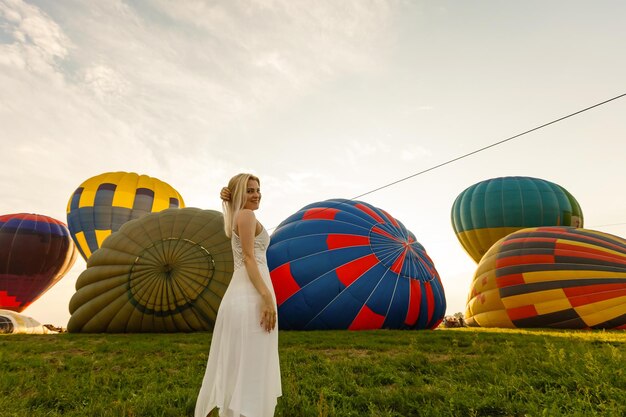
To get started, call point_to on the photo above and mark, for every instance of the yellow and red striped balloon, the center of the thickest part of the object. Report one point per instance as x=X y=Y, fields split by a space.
x=560 y=277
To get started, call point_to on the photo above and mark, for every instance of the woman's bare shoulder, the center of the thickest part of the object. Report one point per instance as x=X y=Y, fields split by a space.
x=247 y=220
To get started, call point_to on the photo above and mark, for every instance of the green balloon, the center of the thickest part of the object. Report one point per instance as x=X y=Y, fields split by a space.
x=489 y=210
x=164 y=272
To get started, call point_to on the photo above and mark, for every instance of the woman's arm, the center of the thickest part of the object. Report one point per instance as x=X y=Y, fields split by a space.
x=246 y=229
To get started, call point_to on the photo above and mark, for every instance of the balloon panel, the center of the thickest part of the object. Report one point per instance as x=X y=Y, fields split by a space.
x=341 y=264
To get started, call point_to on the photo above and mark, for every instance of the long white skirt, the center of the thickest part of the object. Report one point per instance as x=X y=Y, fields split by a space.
x=242 y=377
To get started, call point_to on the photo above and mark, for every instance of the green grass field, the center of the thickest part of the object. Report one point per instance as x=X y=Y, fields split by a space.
x=446 y=372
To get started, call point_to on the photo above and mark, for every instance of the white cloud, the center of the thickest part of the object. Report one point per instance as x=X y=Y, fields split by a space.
x=183 y=81
x=358 y=149
x=38 y=42
x=361 y=152
x=413 y=152
x=105 y=82
x=269 y=48
x=13 y=56
x=415 y=110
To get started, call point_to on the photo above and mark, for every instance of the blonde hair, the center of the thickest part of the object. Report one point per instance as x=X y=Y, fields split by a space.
x=237 y=186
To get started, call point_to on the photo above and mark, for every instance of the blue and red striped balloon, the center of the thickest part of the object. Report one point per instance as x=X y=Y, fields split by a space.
x=344 y=264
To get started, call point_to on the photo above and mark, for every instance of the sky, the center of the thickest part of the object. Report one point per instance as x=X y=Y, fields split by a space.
x=320 y=99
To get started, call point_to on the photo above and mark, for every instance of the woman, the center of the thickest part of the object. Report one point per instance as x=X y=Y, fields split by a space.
x=242 y=377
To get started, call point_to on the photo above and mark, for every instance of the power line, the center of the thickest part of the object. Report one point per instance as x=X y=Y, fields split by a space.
x=448 y=162
x=487 y=147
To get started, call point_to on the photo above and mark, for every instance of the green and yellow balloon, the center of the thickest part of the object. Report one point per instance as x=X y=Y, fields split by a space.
x=164 y=272
x=489 y=210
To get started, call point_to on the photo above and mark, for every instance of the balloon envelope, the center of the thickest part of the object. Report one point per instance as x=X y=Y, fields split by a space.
x=489 y=210
x=36 y=251
x=164 y=272
x=12 y=322
x=102 y=204
x=560 y=277
x=341 y=264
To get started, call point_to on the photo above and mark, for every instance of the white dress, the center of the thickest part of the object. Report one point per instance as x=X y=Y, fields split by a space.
x=242 y=376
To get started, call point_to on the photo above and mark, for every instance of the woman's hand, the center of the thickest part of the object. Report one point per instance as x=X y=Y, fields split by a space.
x=225 y=194
x=268 y=315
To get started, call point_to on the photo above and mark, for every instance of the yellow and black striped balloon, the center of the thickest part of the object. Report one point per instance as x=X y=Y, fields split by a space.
x=164 y=272
x=102 y=204
x=560 y=277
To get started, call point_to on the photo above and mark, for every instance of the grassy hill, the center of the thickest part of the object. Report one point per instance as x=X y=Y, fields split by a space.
x=446 y=372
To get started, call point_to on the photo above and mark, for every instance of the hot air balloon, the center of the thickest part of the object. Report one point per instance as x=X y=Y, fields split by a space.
x=489 y=210
x=341 y=264
x=102 y=204
x=164 y=272
x=560 y=277
x=36 y=251
x=16 y=323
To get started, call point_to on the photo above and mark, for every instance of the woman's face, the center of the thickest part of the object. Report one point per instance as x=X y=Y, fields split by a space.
x=253 y=195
